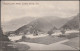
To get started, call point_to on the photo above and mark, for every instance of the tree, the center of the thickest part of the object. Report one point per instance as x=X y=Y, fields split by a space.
x=50 y=32
x=63 y=31
x=34 y=29
x=2 y=36
x=35 y=32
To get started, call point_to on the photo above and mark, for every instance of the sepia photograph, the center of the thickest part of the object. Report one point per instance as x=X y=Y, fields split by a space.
x=39 y=26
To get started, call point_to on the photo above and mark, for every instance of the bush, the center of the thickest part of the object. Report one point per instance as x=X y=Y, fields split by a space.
x=62 y=36
x=24 y=38
x=63 y=31
x=72 y=35
x=50 y=32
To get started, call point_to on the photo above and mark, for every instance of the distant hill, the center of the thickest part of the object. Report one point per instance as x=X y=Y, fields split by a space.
x=72 y=24
x=44 y=24
x=16 y=23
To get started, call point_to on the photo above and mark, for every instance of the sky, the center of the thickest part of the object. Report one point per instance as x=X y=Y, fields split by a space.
x=17 y=9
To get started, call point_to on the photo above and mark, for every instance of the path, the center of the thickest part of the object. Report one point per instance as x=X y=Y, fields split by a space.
x=54 y=46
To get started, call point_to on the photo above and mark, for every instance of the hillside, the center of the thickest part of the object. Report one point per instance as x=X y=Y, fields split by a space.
x=72 y=24
x=43 y=24
x=16 y=23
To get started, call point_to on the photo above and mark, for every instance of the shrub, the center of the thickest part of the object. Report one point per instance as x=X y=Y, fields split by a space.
x=63 y=31
x=50 y=32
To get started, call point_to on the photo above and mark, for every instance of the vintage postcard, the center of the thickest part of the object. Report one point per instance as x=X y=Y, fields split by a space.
x=39 y=26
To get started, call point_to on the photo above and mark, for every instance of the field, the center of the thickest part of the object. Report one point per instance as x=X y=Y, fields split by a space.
x=57 y=41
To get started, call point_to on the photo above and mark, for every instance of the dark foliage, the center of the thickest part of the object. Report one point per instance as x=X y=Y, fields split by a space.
x=50 y=32
x=63 y=31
